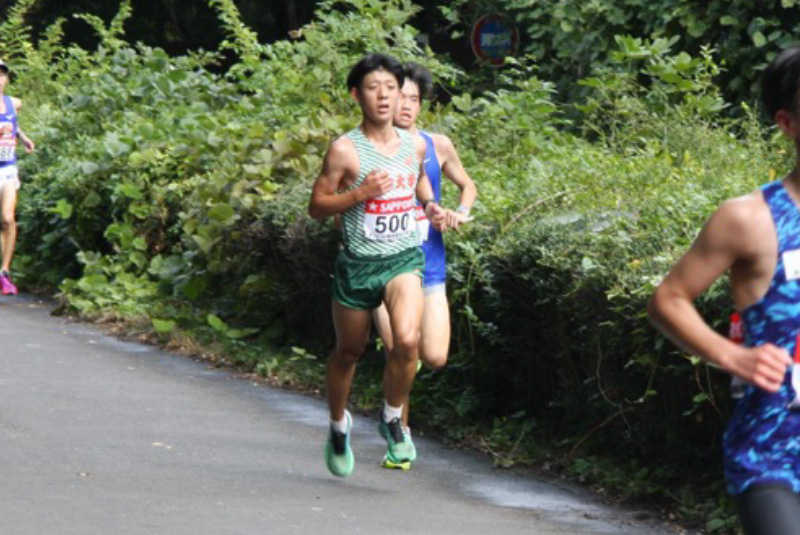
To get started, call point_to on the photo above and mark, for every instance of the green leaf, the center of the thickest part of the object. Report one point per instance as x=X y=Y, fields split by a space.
x=62 y=208
x=89 y=168
x=129 y=190
x=759 y=40
x=91 y=200
x=241 y=333
x=163 y=326
x=217 y=324
x=224 y=213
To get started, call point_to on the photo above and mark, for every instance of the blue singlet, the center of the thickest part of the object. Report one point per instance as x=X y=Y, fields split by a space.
x=762 y=442
x=433 y=247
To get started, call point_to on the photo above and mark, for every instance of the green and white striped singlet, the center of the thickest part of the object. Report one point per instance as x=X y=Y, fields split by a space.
x=385 y=225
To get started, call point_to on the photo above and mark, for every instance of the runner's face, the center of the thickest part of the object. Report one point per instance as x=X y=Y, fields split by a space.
x=409 y=105
x=378 y=96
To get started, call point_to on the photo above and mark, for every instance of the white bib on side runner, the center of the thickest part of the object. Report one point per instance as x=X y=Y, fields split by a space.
x=791 y=264
x=389 y=219
x=423 y=224
x=8 y=141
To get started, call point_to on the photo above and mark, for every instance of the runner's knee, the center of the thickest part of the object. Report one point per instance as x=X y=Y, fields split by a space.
x=435 y=361
x=405 y=342
x=7 y=221
x=348 y=354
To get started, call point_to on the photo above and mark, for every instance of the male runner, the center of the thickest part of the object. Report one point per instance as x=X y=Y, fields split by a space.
x=373 y=176
x=757 y=238
x=9 y=177
x=440 y=156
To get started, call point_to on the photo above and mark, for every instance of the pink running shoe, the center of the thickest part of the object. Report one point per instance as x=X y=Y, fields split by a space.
x=6 y=286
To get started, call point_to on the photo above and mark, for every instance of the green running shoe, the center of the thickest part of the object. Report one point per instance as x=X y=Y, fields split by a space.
x=338 y=454
x=388 y=463
x=400 y=447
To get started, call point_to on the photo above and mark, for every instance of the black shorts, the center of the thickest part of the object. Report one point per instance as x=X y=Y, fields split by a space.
x=769 y=510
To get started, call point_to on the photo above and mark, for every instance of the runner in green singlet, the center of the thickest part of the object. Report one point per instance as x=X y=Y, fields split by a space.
x=373 y=176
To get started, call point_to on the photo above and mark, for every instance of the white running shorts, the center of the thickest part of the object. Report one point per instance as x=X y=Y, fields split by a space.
x=9 y=173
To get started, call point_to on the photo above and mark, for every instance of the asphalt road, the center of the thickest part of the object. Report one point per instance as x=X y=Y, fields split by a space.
x=101 y=436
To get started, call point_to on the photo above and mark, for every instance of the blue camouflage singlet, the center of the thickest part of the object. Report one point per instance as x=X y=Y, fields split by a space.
x=762 y=441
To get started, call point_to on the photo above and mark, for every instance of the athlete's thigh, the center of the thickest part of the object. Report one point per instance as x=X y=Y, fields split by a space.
x=769 y=510
x=435 y=340
x=8 y=198
x=404 y=302
x=352 y=327
x=380 y=316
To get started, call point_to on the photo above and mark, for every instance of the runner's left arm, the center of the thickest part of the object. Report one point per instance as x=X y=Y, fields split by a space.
x=27 y=142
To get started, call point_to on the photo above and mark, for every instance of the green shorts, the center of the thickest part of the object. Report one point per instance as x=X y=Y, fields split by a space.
x=358 y=282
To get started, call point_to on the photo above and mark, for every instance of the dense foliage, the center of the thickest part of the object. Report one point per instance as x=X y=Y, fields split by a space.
x=161 y=190
x=572 y=38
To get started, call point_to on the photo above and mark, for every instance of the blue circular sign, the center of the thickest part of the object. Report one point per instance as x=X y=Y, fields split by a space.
x=494 y=38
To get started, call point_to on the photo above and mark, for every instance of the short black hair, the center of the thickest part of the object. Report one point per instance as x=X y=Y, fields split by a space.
x=421 y=76
x=371 y=63
x=780 y=82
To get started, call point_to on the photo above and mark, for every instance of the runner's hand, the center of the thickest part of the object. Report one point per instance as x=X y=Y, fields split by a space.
x=455 y=219
x=764 y=366
x=437 y=216
x=376 y=183
x=29 y=145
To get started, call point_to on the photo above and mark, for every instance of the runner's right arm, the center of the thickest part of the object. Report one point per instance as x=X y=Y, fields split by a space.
x=722 y=242
x=339 y=167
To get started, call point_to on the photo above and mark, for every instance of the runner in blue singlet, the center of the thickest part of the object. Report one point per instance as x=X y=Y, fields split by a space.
x=9 y=178
x=757 y=238
x=440 y=158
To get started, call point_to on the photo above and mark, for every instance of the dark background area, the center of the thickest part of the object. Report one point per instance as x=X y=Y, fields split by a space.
x=179 y=26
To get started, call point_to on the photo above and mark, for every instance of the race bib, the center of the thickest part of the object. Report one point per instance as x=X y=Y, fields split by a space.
x=791 y=264
x=423 y=225
x=736 y=335
x=389 y=219
x=8 y=141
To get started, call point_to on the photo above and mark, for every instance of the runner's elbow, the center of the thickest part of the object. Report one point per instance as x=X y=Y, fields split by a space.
x=657 y=304
x=315 y=211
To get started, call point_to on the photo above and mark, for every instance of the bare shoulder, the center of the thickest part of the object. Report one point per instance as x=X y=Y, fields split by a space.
x=342 y=146
x=744 y=222
x=443 y=144
x=342 y=153
x=16 y=102
x=419 y=145
x=747 y=211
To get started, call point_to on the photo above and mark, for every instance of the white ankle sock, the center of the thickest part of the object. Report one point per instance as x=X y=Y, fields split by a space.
x=341 y=425
x=390 y=413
